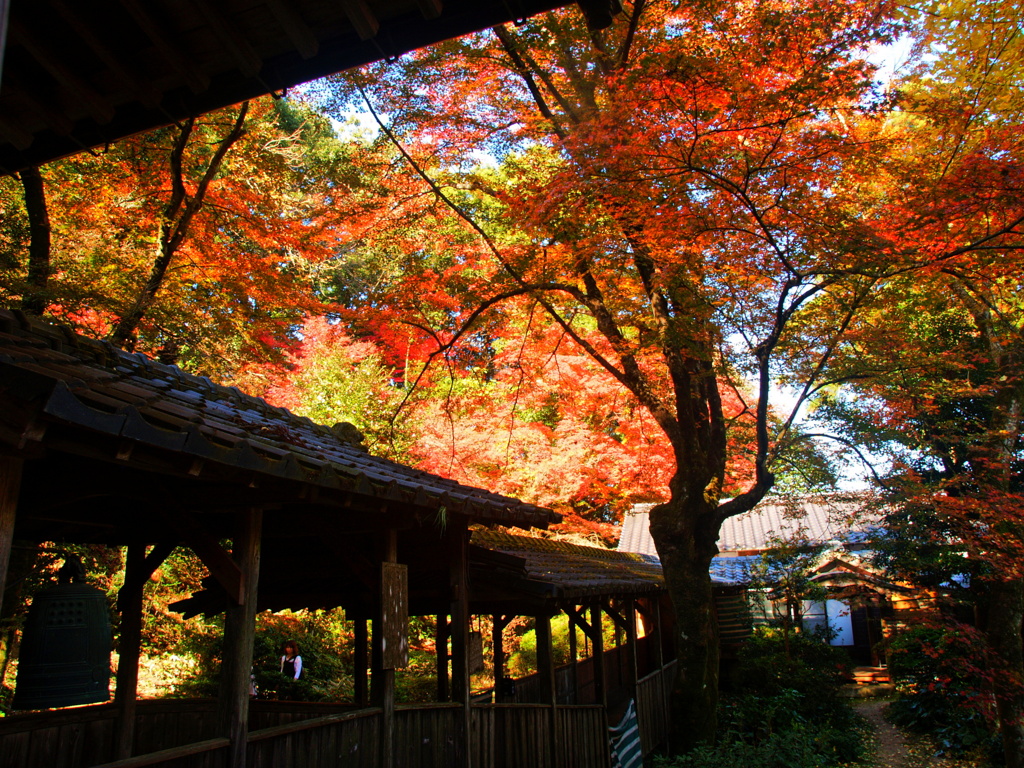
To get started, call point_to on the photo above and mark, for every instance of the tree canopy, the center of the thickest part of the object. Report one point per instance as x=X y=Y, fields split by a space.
x=580 y=267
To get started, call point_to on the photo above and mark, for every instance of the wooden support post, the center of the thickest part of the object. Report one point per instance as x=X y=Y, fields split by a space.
x=498 y=624
x=546 y=672
x=10 y=486
x=459 y=592
x=383 y=678
x=129 y=603
x=441 y=648
x=545 y=659
x=634 y=668
x=577 y=618
x=239 y=632
x=360 y=663
x=659 y=640
x=574 y=660
x=600 y=684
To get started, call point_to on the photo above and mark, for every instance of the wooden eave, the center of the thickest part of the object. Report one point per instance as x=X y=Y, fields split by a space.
x=77 y=76
x=522 y=574
x=106 y=427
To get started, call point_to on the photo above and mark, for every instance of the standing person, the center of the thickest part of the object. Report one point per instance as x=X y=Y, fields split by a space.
x=291 y=662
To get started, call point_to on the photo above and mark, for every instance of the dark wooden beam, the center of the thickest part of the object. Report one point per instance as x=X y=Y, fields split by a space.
x=54 y=119
x=597 y=638
x=458 y=554
x=222 y=566
x=138 y=576
x=616 y=613
x=298 y=31
x=361 y=17
x=634 y=671
x=659 y=639
x=239 y=634
x=546 y=672
x=441 y=657
x=19 y=138
x=10 y=484
x=498 y=624
x=430 y=9
x=123 y=70
x=578 y=617
x=383 y=677
x=4 y=13
x=248 y=61
x=573 y=659
x=170 y=53
x=66 y=77
x=360 y=663
x=129 y=603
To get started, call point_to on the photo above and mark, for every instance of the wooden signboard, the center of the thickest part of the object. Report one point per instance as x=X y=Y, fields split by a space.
x=395 y=614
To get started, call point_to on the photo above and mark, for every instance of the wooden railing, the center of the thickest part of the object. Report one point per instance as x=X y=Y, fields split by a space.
x=351 y=739
x=574 y=683
x=503 y=736
x=211 y=753
x=514 y=735
x=429 y=734
x=654 y=706
x=71 y=738
x=58 y=739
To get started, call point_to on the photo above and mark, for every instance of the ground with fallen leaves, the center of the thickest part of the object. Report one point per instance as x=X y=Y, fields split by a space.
x=895 y=748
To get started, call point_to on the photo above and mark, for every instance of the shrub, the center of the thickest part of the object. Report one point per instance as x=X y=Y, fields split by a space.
x=784 y=709
x=943 y=686
x=801 y=747
x=768 y=666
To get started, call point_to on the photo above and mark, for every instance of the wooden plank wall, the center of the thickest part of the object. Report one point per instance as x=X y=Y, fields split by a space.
x=504 y=736
x=165 y=723
x=351 y=740
x=515 y=735
x=264 y=713
x=58 y=739
x=429 y=735
x=576 y=685
x=654 y=707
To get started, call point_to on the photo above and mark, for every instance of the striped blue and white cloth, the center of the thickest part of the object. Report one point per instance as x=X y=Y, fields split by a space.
x=625 y=739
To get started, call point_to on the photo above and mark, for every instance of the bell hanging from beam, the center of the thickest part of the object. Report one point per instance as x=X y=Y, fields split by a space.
x=65 y=647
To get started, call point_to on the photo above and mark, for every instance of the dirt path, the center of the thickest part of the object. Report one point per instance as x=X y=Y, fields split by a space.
x=893 y=749
x=890 y=744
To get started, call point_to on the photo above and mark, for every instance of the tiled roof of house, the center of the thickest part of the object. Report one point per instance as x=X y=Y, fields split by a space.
x=51 y=376
x=819 y=519
x=574 y=570
x=732 y=571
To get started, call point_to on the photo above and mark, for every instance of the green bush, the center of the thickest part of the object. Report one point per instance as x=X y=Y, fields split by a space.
x=323 y=639
x=783 y=709
x=801 y=747
x=768 y=666
x=942 y=682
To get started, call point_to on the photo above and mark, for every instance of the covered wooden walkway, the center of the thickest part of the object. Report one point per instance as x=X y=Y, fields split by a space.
x=101 y=446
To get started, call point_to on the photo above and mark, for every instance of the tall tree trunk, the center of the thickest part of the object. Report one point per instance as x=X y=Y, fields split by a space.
x=34 y=300
x=686 y=542
x=1003 y=629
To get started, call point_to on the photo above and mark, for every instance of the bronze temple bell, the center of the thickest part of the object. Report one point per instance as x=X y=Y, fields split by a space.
x=65 y=648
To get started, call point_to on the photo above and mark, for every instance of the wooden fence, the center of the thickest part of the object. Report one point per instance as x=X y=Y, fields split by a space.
x=57 y=739
x=351 y=739
x=574 y=682
x=514 y=735
x=654 y=707
x=303 y=736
